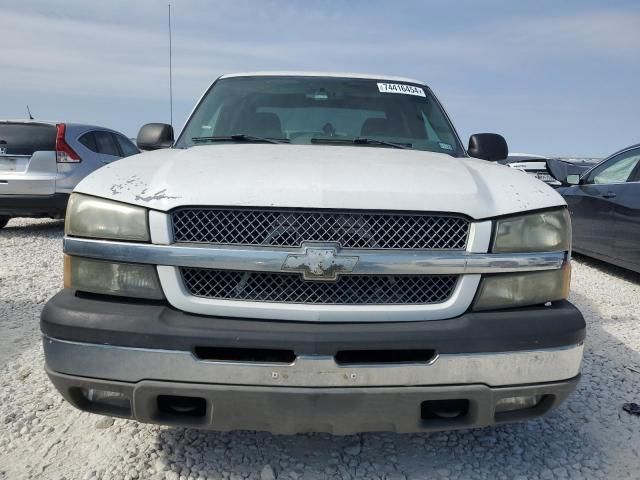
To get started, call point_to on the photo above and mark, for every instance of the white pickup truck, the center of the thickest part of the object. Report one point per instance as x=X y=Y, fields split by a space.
x=315 y=252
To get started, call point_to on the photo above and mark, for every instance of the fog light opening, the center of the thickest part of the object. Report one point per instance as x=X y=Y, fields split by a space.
x=510 y=404
x=444 y=409
x=103 y=401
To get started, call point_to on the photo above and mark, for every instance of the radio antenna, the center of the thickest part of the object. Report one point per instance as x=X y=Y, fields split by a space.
x=170 y=74
x=29 y=112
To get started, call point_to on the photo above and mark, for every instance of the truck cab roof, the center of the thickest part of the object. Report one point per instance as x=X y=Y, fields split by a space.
x=284 y=73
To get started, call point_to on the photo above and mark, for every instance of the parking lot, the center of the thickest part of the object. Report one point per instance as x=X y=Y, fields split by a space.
x=589 y=436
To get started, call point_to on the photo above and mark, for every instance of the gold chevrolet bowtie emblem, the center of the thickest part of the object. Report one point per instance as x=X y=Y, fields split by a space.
x=319 y=263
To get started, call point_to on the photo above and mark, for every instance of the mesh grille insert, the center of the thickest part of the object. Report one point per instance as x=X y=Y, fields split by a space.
x=290 y=228
x=292 y=288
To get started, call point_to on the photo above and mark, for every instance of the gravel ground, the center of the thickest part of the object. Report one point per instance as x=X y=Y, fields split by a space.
x=590 y=436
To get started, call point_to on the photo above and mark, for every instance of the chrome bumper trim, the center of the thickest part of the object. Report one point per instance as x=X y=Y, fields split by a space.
x=270 y=259
x=128 y=364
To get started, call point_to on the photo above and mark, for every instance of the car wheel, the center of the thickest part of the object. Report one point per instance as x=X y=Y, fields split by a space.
x=3 y=220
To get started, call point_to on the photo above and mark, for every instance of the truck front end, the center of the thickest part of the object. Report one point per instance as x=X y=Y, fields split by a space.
x=349 y=283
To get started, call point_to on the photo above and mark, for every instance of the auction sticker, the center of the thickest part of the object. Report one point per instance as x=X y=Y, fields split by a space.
x=400 y=88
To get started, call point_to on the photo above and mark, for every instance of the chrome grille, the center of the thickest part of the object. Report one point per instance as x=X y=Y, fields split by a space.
x=292 y=288
x=290 y=228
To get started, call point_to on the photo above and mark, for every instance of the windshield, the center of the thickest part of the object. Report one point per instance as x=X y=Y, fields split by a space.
x=321 y=110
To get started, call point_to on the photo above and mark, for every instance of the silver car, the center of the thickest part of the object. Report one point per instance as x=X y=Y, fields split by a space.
x=41 y=162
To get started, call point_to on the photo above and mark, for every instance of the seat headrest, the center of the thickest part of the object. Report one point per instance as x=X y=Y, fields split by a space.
x=375 y=126
x=265 y=124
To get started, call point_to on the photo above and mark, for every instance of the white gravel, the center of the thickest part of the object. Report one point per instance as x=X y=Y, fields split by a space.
x=41 y=436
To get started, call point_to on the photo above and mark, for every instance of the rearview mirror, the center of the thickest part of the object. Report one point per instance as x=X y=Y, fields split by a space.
x=154 y=136
x=573 y=179
x=488 y=146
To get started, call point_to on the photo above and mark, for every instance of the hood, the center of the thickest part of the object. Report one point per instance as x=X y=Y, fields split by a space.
x=319 y=176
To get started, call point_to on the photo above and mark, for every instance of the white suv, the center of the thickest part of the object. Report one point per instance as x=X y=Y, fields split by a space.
x=316 y=252
x=41 y=162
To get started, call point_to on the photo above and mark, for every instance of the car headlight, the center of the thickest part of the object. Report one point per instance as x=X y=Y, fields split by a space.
x=509 y=290
x=99 y=218
x=109 y=278
x=536 y=232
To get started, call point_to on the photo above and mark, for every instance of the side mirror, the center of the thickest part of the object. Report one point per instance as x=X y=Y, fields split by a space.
x=488 y=146
x=154 y=136
x=573 y=179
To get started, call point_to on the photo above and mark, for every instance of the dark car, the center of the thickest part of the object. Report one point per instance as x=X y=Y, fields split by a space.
x=605 y=209
x=535 y=165
x=551 y=170
x=561 y=168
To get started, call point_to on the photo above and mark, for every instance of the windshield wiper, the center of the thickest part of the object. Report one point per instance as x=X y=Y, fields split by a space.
x=362 y=141
x=240 y=137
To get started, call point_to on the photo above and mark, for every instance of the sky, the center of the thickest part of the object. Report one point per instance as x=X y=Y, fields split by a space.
x=555 y=77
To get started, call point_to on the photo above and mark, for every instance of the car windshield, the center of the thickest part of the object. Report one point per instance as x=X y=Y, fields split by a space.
x=321 y=110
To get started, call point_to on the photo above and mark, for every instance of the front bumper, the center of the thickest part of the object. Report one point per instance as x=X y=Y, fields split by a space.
x=148 y=351
x=291 y=410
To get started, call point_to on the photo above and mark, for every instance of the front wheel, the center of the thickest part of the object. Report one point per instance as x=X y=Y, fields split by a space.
x=3 y=220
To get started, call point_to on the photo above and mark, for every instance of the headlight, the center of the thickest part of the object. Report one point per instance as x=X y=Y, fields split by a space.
x=508 y=290
x=99 y=218
x=123 y=279
x=536 y=232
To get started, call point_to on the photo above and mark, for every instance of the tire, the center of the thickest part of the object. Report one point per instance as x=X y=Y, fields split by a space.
x=3 y=220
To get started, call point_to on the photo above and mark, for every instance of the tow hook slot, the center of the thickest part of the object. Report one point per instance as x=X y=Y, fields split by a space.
x=179 y=406
x=444 y=409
